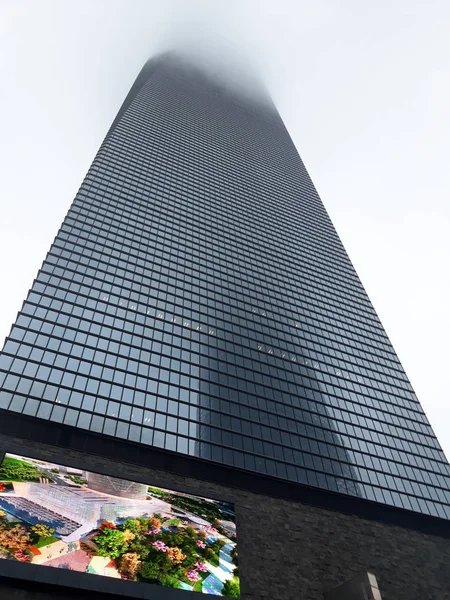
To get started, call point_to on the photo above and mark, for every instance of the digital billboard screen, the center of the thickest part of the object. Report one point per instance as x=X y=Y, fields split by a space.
x=68 y=518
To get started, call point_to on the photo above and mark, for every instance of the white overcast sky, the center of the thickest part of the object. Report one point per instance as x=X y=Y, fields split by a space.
x=363 y=87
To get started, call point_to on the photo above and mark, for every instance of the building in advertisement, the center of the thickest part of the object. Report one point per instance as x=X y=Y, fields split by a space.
x=198 y=322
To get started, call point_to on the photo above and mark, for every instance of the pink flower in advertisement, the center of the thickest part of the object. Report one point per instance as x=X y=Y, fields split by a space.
x=155 y=531
x=193 y=576
x=200 y=544
x=213 y=530
x=201 y=566
x=160 y=546
x=21 y=556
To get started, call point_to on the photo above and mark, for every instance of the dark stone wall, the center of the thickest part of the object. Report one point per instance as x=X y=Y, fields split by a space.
x=287 y=550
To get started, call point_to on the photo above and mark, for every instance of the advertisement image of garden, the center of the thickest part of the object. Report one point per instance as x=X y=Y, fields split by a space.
x=57 y=516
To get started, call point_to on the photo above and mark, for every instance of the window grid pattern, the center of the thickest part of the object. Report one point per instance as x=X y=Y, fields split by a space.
x=197 y=298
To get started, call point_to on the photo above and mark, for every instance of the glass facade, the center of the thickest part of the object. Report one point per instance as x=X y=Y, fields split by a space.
x=198 y=299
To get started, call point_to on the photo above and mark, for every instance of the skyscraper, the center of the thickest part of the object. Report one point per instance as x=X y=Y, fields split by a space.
x=197 y=313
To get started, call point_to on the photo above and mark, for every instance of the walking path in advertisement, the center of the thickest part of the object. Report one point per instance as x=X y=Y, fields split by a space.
x=213 y=584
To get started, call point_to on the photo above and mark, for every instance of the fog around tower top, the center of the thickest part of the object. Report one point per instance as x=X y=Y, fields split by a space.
x=203 y=35
x=234 y=75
